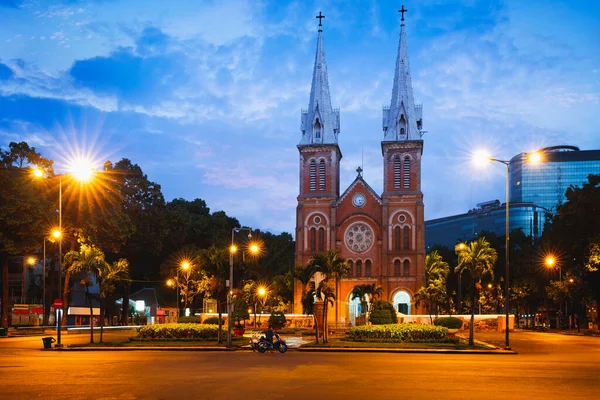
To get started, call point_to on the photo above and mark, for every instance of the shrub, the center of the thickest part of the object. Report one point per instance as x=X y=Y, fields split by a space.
x=398 y=333
x=382 y=313
x=212 y=321
x=179 y=331
x=277 y=320
x=449 y=322
x=189 y=320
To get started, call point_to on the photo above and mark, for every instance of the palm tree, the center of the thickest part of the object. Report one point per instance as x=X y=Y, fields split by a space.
x=88 y=259
x=434 y=291
x=109 y=274
x=333 y=267
x=327 y=293
x=478 y=258
x=435 y=267
x=304 y=275
x=366 y=294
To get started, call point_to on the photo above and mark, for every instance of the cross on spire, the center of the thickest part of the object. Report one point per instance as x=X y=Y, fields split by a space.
x=359 y=170
x=320 y=17
x=403 y=10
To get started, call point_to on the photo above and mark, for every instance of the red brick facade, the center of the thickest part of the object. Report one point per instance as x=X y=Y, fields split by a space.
x=382 y=236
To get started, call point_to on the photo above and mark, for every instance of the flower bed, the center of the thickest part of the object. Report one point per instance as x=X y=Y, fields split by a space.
x=179 y=331
x=398 y=333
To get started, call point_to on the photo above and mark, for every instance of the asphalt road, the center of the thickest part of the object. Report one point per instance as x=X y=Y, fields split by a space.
x=548 y=366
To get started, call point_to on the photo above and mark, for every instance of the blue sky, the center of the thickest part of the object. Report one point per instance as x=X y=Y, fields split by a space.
x=205 y=96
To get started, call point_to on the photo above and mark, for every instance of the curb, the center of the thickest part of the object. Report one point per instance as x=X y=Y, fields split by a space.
x=141 y=348
x=390 y=350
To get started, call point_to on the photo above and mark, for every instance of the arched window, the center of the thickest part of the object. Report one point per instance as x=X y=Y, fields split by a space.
x=313 y=176
x=397 y=268
x=313 y=239
x=317 y=129
x=322 y=175
x=406 y=238
x=397 y=238
x=368 y=268
x=358 y=269
x=406 y=171
x=406 y=269
x=321 y=239
x=351 y=264
x=397 y=172
x=402 y=131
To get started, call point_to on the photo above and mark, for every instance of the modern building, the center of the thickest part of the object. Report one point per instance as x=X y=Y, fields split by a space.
x=535 y=192
x=382 y=235
x=486 y=217
x=546 y=182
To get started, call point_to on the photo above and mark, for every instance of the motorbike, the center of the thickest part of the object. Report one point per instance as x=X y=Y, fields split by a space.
x=262 y=345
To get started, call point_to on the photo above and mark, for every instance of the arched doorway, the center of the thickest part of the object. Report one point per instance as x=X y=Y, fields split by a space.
x=354 y=310
x=402 y=302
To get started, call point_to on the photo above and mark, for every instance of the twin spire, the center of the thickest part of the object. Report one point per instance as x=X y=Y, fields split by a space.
x=320 y=123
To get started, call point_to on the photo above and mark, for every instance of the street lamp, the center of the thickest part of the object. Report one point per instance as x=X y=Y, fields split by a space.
x=254 y=249
x=482 y=157
x=458 y=249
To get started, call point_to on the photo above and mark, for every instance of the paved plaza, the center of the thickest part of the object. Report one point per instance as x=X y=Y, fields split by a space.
x=548 y=366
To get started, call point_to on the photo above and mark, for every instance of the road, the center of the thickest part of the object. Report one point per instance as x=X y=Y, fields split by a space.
x=548 y=366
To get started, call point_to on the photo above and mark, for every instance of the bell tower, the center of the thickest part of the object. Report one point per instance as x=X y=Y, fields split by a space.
x=402 y=147
x=320 y=158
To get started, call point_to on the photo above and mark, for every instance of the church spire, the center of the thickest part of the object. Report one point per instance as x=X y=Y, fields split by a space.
x=320 y=124
x=402 y=120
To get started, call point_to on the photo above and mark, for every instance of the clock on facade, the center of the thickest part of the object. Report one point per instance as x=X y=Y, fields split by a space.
x=359 y=200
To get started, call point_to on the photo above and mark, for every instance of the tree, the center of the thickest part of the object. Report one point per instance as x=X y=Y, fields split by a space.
x=326 y=292
x=366 y=294
x=333 y=268
x=478 y=258
x=575 y=233
x=434 y=292
x=109 y=274
x=89 y=259
x=25 y=204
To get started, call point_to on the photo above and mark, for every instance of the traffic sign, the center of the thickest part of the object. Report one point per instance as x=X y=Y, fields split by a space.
x=57 y=303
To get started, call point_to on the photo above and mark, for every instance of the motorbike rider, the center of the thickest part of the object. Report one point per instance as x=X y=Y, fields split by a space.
x=269 y=334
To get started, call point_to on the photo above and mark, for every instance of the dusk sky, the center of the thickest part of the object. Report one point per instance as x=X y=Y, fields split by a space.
x=206 y=95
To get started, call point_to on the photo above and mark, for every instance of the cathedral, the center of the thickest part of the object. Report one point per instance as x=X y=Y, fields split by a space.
x=381 y=235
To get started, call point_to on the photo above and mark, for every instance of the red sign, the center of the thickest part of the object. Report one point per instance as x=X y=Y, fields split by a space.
x=57 y=303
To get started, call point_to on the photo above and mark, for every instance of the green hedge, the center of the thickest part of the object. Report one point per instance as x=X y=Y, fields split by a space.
x=398 y=333
x=189 y=320
x=277 y=320
x=213 y=321
x=179 y=331
x=383 y=313
x=449 y=322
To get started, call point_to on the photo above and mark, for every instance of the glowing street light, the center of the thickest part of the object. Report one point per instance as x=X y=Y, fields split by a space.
x=550 y=261
x=254 y=249
x=31 y=261
x=38 y=172
x=534 y=157
x=56 y=233
x=82 y=169
x=185 y=265
x=170 y=282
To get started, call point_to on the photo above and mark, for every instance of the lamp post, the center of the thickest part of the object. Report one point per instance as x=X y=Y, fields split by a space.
x=232 y=249
x=551 y=263
x=482 y=158
x=459 y=247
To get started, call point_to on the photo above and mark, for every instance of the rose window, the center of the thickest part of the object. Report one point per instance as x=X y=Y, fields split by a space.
x=359 y=237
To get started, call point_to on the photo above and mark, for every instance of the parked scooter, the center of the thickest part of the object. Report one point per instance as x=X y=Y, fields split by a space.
x=254 y=340
x=279 y=345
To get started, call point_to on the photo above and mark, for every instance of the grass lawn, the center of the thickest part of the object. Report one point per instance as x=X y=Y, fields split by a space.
x=341 y=342
x=135 y=342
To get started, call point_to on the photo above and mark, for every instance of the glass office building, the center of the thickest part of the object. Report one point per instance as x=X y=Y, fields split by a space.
x=490 y=217
x=545 y=183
